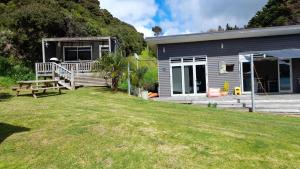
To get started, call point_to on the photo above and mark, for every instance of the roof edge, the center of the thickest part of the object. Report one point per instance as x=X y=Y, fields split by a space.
x=234 y=34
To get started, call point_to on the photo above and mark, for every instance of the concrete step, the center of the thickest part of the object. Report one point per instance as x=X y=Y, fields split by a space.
x=276 y=105
x=270 y=110
x=272 y=101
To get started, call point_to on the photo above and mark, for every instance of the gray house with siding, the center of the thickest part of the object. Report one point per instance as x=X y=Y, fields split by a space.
x=77 y=60
x=190 y=64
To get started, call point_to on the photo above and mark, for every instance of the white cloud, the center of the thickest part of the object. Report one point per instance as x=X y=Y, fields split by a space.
x=139 y=13
x=201 y=15
x=183 y=16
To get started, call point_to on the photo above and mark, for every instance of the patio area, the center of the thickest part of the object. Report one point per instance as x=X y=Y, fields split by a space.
x=271 y=103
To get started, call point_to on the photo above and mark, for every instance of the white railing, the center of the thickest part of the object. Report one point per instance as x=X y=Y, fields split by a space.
x=81 y=67
x=44 y=68
x=62 y=72
x=55 y=70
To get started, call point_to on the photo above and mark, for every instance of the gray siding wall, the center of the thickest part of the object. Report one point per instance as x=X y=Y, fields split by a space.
x=215 y=79
x=164 y=78
x=229 y=53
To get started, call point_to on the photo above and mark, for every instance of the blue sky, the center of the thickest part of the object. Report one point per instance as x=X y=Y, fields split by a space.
x=182 y=16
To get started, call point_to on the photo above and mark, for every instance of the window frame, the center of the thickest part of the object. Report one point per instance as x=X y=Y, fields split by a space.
x=77 y=47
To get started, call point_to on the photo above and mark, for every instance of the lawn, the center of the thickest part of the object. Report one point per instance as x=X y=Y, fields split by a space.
x=95 y=128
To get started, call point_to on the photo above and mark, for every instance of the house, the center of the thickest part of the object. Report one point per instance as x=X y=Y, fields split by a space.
x=76 y=58
x=79 y=49
x=190 y=64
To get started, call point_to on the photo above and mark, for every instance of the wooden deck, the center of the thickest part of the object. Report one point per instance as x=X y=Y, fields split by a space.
x=275 y=103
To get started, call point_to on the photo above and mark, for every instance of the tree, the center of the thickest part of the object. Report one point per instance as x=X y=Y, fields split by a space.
x=157 y=30
x=113 y=65
x=277 y=13
x=138 y=78
x=31 y=20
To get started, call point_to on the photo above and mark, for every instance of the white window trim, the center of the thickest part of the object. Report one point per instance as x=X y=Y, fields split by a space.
x=64 y=58
x=194 y=64
x=291 y=77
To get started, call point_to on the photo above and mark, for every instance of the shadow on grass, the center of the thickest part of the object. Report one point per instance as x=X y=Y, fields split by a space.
x=7 y=130
x=5 y=96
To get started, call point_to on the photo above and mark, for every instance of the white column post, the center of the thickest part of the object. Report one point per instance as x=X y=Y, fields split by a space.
x=43 y=49
x=252 y=85
x=72 y=78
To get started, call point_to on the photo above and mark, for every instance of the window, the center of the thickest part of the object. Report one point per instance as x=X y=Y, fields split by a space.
x=225 y=68
x=78 y=53
x=229 y=67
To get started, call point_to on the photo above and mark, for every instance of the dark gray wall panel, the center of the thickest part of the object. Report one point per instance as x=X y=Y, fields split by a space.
x=217 y=80
x=231 y=47
x=164 y=78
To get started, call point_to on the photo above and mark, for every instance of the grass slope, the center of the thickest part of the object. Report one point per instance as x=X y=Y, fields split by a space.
x=94 y=128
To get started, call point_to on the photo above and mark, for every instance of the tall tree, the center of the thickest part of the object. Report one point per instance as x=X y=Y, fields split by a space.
x=277 y=13
x=32 y=20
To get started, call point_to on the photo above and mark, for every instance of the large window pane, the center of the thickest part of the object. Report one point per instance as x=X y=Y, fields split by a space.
x=285 y=75
x=188 y=79
x=201 y=78
x=177 y=80
x=84 y=53
x=70 y=53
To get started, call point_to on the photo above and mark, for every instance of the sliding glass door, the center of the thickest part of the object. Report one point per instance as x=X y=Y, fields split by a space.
x=188 y=77
x=285 y=75
x=200 y=79
x=177 y=80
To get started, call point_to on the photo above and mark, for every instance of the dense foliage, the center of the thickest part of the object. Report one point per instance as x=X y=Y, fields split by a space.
x=28 y=21
x=277 y=13
x=113 y=65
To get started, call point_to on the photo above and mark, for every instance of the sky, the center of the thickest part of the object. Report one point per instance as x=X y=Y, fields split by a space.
x=182 y=16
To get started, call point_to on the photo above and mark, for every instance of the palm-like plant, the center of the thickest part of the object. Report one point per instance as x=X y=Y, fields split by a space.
x=113 y=65
x=138 y=78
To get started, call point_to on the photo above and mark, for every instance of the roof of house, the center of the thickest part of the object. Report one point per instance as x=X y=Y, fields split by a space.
x=234 y=34
x=72 y=39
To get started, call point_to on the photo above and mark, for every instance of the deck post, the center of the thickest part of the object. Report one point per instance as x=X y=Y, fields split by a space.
x=72 y=78
x=252 y=85
x=43 y=50
x=36 y=72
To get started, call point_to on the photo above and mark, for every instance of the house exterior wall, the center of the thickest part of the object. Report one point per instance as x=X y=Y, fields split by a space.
x=55 y=49
x=219 y=50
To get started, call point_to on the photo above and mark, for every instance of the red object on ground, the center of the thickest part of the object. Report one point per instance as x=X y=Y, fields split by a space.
x=152 y=95
x=214 y=92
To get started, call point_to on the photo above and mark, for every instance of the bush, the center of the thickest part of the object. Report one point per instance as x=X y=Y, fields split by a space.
x=12 y=70
x=6 y=81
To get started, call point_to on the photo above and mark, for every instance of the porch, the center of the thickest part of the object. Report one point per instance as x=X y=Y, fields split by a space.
x=274 y=71
x=271 y=103
x=74 y=74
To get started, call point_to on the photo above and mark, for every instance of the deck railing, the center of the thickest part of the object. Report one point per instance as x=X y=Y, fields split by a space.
x=82 y=67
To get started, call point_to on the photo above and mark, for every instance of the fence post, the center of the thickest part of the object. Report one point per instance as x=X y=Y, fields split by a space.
x=72 y=78
x=53 y=71
x=36 y=72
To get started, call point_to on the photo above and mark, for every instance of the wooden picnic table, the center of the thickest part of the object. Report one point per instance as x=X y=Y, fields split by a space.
x=36 y=85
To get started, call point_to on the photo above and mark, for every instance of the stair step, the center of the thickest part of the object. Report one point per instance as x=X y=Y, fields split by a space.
x=276 y=106
x=270 y=110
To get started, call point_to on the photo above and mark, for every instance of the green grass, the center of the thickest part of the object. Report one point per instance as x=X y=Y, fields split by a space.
x=94 y=128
